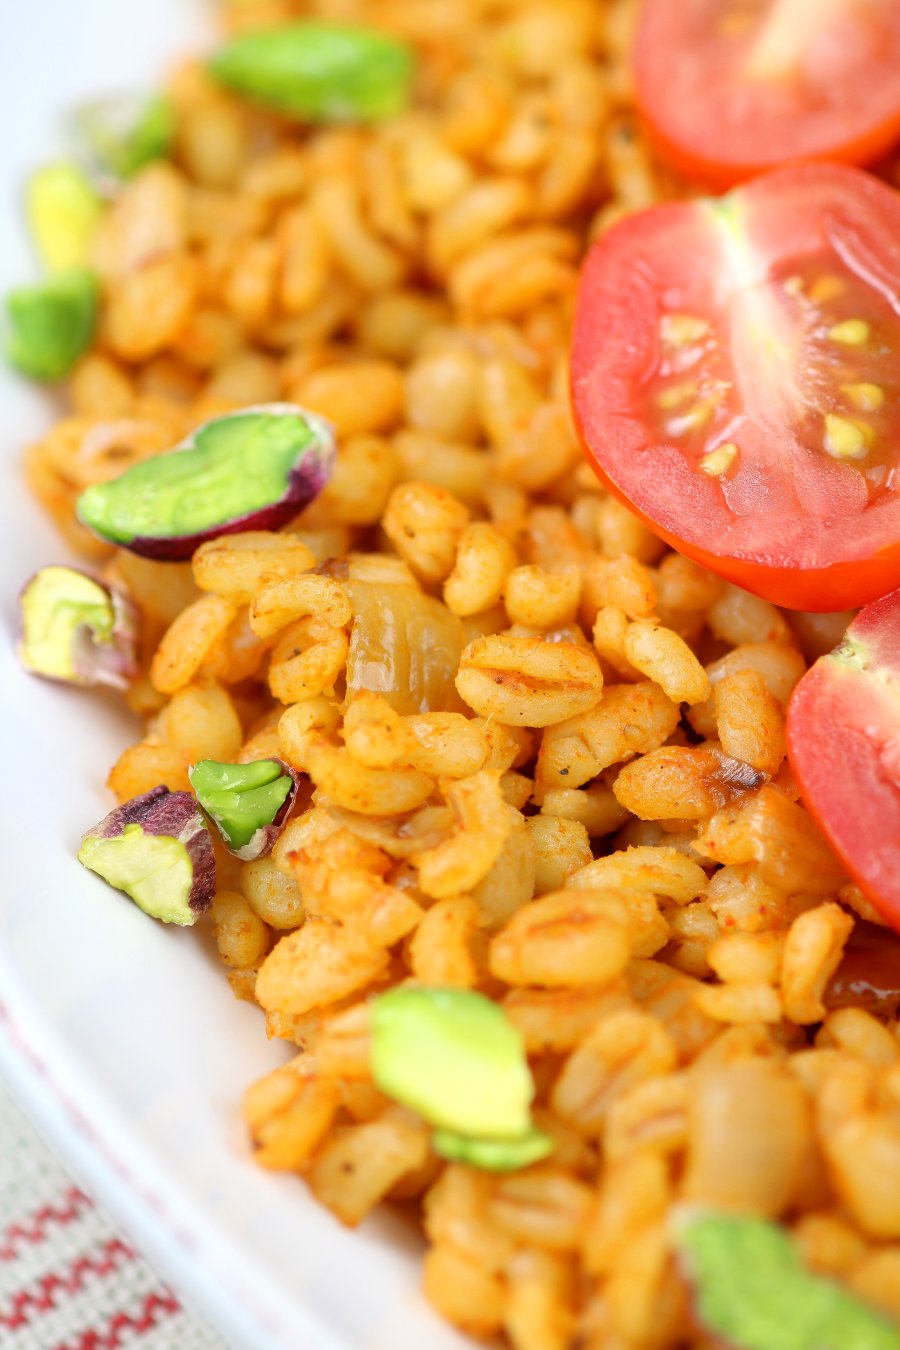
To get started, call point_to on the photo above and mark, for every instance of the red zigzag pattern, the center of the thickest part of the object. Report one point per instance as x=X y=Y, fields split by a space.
x=34 y=1230
x=45 y=1294
x=122 y=1327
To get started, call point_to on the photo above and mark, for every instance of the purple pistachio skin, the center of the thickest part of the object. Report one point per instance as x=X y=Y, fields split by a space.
x=305 y=483
x=264 y=840
x=113 y=664
x=305 y=480
x=172 y=815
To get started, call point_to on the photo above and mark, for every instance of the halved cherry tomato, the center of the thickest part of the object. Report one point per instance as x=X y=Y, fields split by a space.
x=735 y=377
x=843 y=729
x=732 y=87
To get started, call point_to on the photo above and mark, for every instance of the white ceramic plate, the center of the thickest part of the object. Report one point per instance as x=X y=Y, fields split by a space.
x=119 y=1036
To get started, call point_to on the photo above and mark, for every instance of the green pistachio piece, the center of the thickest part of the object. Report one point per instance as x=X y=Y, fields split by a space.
x=63 y=214
x=493 y=1155
x=253 y=469
x=49 y=326
x=76 y=629
x=319 y=72
x=454 y=1057
x=119 y=135
x=243 y=801
x=156 y=873
x=753 y=1292
x=156 y=848
x=56 y=604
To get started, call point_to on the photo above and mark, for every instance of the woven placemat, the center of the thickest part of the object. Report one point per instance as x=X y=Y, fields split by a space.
x=68 y=1279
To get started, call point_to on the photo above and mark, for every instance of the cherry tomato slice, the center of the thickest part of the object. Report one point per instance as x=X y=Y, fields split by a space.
x=843 y=730
x=729 y=88
x=735 y=377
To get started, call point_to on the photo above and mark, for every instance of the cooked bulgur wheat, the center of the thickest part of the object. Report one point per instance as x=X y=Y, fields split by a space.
x=543 y=756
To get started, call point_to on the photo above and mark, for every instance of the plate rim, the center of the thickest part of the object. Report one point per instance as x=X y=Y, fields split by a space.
x=90 y=1137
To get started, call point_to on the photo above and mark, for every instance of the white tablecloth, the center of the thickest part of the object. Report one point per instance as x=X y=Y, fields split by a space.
x=68 y=1280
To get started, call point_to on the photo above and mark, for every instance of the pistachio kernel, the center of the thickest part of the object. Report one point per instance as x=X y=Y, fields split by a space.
x=319 y=72
x=78 y=630
x=752 y=1292
x=157 y=849
x=454 y=1057
x=117 y=136
x=63 y=214
x=50 y=325
x=251 y=469
x=493 y=1155
x=248 y=803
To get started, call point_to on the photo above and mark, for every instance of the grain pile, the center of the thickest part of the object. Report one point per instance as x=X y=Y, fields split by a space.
x=542 y=755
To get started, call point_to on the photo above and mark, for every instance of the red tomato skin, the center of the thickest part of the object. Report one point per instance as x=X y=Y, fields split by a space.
x=705 y=155
x=843 y=735
x=788 y=558
x=706 y=173
x=821 y=590
x=718 y=177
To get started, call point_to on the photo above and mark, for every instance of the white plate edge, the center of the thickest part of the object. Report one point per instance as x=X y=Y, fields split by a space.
x=83 y=1127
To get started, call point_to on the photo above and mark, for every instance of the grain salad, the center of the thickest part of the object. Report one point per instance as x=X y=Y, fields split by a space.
x=481 y=788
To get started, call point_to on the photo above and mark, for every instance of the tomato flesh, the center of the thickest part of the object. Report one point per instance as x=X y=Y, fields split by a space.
x=843 y=730
x=729 y=88
x=735 y=380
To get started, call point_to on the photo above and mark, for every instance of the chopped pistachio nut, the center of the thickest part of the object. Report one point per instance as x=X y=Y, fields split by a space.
x=454 y=1057
x=752 y=1292
x=63 y=215
x=157 y=849
x=117 y=136
x=719 y=461
x=493 y=1155
x=319 y=72
x=50 y=325
x=845 y=439
x=76 y=629
x=252 y=469
x=246 y=802
x=850 y=332
x=867 y=397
